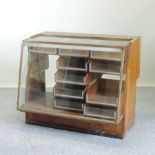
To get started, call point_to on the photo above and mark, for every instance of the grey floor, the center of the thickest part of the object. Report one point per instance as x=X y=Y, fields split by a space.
x=16 y=137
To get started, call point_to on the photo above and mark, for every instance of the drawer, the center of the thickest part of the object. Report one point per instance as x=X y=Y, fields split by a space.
x=71 y=63
x=71 y=77
x=115 y=56
x=69 y=91
x=105 y=66
x=99 y=112
x=73 y=53
x=53 y=51
x=68 y=104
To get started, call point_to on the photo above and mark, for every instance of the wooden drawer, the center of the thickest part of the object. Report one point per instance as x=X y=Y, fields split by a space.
x=71 y=77
x=71 y=63
x=69 y=91
x=115 y=56
x=99 y=111
x=68 y=104
x=73 y=53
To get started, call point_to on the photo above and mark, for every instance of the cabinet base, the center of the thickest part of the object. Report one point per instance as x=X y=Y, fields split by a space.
x=101 y=129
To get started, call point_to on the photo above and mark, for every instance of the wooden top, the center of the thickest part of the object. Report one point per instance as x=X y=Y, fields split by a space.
x=78 y=39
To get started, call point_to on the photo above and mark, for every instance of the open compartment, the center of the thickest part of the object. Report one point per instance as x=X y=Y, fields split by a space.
x=72 y=63
x=99 y=111
x=73 y=53
x=71 y=77
x=114 y=56
x=103 y=92
x=105 y=66
x=68 y=104
x=69 y=91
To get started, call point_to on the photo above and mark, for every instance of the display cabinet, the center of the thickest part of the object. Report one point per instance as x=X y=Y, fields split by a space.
x=79 y=82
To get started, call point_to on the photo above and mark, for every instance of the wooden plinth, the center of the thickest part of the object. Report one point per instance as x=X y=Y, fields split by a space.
x=104 y=129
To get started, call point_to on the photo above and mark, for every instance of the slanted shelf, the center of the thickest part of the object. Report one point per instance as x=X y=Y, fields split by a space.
x=99 y=111
x=68 y=104
x=72 y=63
x=69 y=91
x=105 y=66
x=71 y=77
x=103 y=92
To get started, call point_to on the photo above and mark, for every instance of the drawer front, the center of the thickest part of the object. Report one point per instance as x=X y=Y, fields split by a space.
x=73 y=53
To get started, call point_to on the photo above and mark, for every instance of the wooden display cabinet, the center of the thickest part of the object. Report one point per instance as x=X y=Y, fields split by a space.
x=94 y=82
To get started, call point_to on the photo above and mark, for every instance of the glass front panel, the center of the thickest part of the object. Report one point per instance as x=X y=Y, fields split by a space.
x=69 y=80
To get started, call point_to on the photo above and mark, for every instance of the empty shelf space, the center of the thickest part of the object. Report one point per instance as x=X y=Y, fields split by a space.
x=99 y=111
x=103 y=66
x=114 y=56
x=72 y=63
x=71 y=77
x=69 y=91
x=73 y=53
x=44 y=50
x=68 y=104
x=103 y=92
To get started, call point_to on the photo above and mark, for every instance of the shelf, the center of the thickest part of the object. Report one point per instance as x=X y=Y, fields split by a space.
x=102 y=66
x=110 y=55
x=99 y=111
x=103 y=92
x=71 y=77
x=68 y=104
x=72 y=63
x=44 y=105
x=73 y=53
x=69 y=91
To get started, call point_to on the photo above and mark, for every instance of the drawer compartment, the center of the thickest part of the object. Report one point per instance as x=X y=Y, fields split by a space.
x=103 y=92
x=115 y=56
x=68 y=104
x=72 y=63
x=73 y=53
x=99 y=111
x=71 y=77
x=103 y=66
x=69 y=91
x=44 y=50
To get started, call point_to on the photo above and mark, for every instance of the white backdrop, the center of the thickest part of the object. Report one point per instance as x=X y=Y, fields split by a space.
x=20 y=19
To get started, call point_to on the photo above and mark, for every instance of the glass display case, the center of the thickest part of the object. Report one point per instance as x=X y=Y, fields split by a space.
x=75 y=76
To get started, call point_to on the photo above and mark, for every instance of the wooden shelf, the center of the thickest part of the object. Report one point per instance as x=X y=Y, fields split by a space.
x=71 y=77
x=72 y=63
x=44 y=105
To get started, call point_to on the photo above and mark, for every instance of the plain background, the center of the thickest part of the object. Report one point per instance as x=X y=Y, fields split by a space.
x=19 y=19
